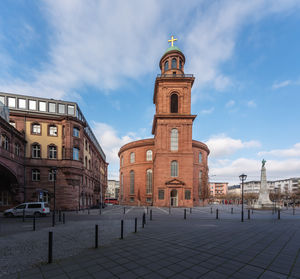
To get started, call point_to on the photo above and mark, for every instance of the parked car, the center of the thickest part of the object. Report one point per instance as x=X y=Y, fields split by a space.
x=29 y=208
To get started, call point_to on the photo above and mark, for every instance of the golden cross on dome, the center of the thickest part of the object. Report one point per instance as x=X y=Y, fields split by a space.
x=172 y=40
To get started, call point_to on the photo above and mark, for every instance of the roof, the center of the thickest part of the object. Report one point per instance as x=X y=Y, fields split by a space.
x=172 y=48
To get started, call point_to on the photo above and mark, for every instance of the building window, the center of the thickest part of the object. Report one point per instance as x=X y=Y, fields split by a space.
x=5 y=142
x=149 y=182
x=122 y=161
x=22 y=103
x=42 y=106
x=161 y=194
x=32 y=105
x=76 y=132
x=85 y=161
x=200 y=183
x=132 y=157
x=174 y=168
x=52 y=152
x=52 y=107
x=166 y=65
x=61 y=108
x=187 y=194
x=36 y=129
x=174 y=103
x=35 y=175
x=121 y=186
x=174 y=63
x=131 y=182
x=17 y=149
x=131 y=199
x=5 y=198
x=86 y=145
x=36 y=151
x=76 y=153
x=52 y=175
x=71 y=110
x=180 y=64
x=174 y=140
x=200 y=157
x=52 y=130
x=149 y=155
x=148 y=200
x=11 y=102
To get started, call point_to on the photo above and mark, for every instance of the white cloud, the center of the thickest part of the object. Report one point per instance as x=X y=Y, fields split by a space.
x=207 y=111
x=251 y=104
x=111 y=142
x=222 y=145
x=290 y=152
x=277 y=85
x=230 y=104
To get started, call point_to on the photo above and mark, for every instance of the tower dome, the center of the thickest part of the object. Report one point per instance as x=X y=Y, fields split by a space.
x=172 y=62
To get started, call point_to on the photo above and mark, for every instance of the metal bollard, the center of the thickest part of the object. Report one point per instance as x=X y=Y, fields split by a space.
x=151 y=214
x=217 y=214
x=252 y=211
x=50 y=246
x=88 y=211
x=64 y=218
x=53 y=219
x=278 y=214
x=143 y=220
x=211 y=210
x=135 y=225
x=184 y=213
x=23 y=215
x=33 y=222
x=96 y=236
x=59 y=215
x=190 y=210
x=123 y=210
x=231 y=210
x=248 y=214
x=122 y=229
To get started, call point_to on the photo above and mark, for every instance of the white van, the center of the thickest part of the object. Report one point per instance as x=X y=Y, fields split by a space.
x=29 y=208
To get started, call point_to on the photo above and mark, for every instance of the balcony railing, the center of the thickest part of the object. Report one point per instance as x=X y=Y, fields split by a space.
x=175 y=75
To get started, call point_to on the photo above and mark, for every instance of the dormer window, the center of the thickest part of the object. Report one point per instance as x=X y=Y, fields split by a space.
x=166 y=65
x=174 y=63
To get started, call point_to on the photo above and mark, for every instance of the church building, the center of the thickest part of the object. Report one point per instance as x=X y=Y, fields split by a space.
x=171 y=168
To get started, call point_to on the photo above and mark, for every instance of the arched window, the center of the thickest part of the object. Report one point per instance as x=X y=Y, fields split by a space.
x=174 y=63
x=122 y=161
x=76 y=132
x=17 y=149
x=174 y=140
x=121 y=186
x=200 y=183
x=174 y=168
x=85 y=162
x=52 y=175
x=166 y=65
x=174 y=103
x=180 y=64
x=36 y=151
x=131 y=182
x=52 y=152
x=132 y=157
x=52 y=130
x=35 y=175
x=149 y=182
x=149 y=155
x=76 y=153
x=36 y=129
x=200 y=157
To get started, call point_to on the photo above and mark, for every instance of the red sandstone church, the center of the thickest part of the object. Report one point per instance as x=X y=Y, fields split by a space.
x=171 y=168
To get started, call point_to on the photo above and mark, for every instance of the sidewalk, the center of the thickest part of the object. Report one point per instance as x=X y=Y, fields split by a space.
x=171 y=247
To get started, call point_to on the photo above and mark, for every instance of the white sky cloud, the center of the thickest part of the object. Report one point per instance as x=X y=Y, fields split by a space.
x=230 y=104
x=251 y=104
x=277 y=85
x=222 y=145
x=290 y=152
x=207 y=111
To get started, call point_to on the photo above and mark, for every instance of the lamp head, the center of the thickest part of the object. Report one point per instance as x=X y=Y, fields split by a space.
x=243 y=177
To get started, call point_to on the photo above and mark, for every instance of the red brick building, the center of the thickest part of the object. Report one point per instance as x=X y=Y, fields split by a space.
x=43 y=136
x=171 y=168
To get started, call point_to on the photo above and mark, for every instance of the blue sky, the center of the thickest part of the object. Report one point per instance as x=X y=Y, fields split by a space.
x=104 y=55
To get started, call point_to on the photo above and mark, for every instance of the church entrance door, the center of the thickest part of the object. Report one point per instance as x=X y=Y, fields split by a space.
x=174 y=198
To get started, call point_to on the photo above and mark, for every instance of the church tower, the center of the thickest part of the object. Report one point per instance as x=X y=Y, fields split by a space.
x=172 y=130
x=171 y=168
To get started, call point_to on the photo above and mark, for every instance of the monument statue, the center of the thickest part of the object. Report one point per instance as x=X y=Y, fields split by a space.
x=263 y=201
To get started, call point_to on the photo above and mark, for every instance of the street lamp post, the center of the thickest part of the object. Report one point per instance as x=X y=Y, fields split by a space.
x=242 y=178
x=53 y=170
